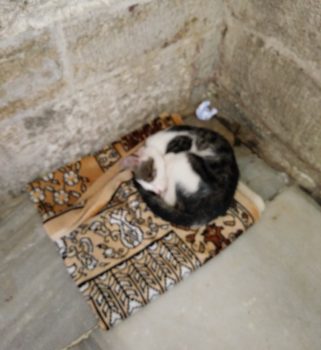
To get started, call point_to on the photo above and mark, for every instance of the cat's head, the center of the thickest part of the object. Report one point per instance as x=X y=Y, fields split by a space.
x=150 y=170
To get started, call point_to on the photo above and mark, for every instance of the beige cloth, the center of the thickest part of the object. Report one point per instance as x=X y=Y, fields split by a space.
x=118 y=252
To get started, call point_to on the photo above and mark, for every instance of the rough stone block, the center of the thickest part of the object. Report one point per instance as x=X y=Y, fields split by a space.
x=263 y=292
x=19 y=16
x=48 y=138
x=121 y=34
x=40 y=306
x=139 y=96
x=295 y=23
x=276 y=95
x=30 y=72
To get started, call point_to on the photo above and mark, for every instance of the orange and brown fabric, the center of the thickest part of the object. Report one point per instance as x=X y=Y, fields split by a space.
x=120 y=255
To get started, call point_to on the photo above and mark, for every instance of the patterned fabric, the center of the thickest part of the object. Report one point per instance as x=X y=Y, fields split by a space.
x=122 y=256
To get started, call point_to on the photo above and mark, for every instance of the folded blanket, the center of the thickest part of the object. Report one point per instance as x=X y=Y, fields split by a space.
x=120 y=255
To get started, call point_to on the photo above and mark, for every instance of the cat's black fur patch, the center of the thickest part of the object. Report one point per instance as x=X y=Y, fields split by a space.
x=179 y=144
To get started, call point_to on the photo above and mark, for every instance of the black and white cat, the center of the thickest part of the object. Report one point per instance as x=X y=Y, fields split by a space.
x=186 y=175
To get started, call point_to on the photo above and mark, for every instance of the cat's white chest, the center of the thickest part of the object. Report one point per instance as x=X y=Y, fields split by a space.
x=179 y=174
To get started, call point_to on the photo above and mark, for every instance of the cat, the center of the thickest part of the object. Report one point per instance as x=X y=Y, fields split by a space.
x=186 y=175
x=160 y=174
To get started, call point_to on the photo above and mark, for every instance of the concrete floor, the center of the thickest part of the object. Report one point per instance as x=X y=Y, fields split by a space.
x=263 y=292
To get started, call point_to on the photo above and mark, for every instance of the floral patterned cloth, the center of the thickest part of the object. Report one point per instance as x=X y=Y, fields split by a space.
x=120 y=255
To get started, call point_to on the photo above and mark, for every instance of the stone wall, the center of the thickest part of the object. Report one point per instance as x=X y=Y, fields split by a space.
x=75 y=75
x=269 y=80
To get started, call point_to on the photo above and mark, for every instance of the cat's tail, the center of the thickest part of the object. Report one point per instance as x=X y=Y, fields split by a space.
x=168 y=213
